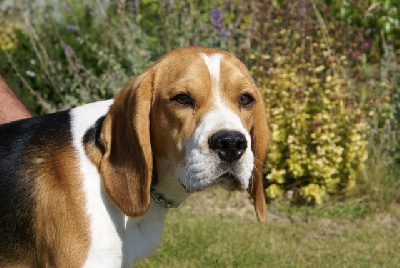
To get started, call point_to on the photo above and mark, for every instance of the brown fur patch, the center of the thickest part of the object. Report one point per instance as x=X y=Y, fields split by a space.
x=61 y=225
x=127 y=165
x=260 y=137
x=93 y=152
x=92 y=145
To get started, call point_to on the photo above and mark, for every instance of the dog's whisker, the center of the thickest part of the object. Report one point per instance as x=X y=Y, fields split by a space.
x=263 y=164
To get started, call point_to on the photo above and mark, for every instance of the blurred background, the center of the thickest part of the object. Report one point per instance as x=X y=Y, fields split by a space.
x=329 y=73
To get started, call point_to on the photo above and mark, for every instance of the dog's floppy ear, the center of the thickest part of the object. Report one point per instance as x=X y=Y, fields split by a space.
x=127 y=163
x=259 y=135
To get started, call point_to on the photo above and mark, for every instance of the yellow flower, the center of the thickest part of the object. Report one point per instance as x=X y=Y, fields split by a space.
x=319 y=69
x=8 y=39
x=265 y=57
x=273 y=191
x=313 y=192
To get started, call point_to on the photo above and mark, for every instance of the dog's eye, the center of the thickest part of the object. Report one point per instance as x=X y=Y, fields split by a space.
x=183 y=99
x=246 y=100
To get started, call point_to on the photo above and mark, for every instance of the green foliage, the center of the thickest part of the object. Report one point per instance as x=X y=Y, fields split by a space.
x=174 y=24
x=76 y=57
x=378 y=86
x=377 y=16
x=322 y=112
x=328 y=70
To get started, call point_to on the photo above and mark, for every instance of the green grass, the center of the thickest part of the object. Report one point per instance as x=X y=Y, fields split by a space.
x=208 y=238
x=219 y=229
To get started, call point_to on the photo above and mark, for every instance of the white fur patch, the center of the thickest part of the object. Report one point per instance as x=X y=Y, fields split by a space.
x=213 y=63
x=105 y=219
x=115 y=239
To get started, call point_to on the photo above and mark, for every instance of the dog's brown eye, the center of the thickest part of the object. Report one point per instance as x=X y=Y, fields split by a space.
x=246 y=100
x=183 y=99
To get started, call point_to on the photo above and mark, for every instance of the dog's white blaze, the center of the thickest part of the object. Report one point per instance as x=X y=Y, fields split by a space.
x=204 y=166
x=213 y=63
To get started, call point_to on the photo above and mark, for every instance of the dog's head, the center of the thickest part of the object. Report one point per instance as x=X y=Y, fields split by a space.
x=199 y=110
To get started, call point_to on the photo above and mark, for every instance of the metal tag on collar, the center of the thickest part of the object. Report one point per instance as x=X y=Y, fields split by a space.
x=160 y=199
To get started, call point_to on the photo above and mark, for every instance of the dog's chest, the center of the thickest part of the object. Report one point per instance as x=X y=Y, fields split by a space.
x=117 y=240
x=125 y=241
x=143 y=235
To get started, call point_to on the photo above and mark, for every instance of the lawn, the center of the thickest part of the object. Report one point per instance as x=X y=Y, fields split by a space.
x=217 y=229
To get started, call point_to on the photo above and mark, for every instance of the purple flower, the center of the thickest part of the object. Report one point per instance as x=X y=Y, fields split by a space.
x=366 y=45
x=79 y=39
x=357 y=55
x=225 y=33
x=114 y=78
x=217 y=18
x=185 y=8
x=132 y=6
x=69 y=52
x=72 y=27
x=67 y=8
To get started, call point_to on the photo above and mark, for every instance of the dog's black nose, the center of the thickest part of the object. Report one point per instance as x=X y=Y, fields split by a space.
x=230 y=145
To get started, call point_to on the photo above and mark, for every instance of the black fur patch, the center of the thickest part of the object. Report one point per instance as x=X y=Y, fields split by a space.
x=21 y=142
x=92 y=135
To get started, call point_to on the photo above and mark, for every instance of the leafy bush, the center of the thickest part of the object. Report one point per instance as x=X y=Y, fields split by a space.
x=318 y=134
x=320 y=114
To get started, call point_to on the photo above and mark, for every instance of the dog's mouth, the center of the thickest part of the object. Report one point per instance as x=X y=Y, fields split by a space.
x=229 y=182
x=226 y=180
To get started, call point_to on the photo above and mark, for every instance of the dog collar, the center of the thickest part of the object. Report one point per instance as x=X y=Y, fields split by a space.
x=160 y=199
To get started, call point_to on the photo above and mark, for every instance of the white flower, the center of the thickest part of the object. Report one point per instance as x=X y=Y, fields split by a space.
x=30 y=74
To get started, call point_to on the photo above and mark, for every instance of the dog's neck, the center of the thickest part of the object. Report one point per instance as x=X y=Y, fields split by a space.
x=143 y=234
x=168 y=191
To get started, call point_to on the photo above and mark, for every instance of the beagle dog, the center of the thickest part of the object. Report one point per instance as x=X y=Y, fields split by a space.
x=91 y=186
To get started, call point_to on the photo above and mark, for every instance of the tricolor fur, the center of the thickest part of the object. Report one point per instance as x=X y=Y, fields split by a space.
x=75 y=185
